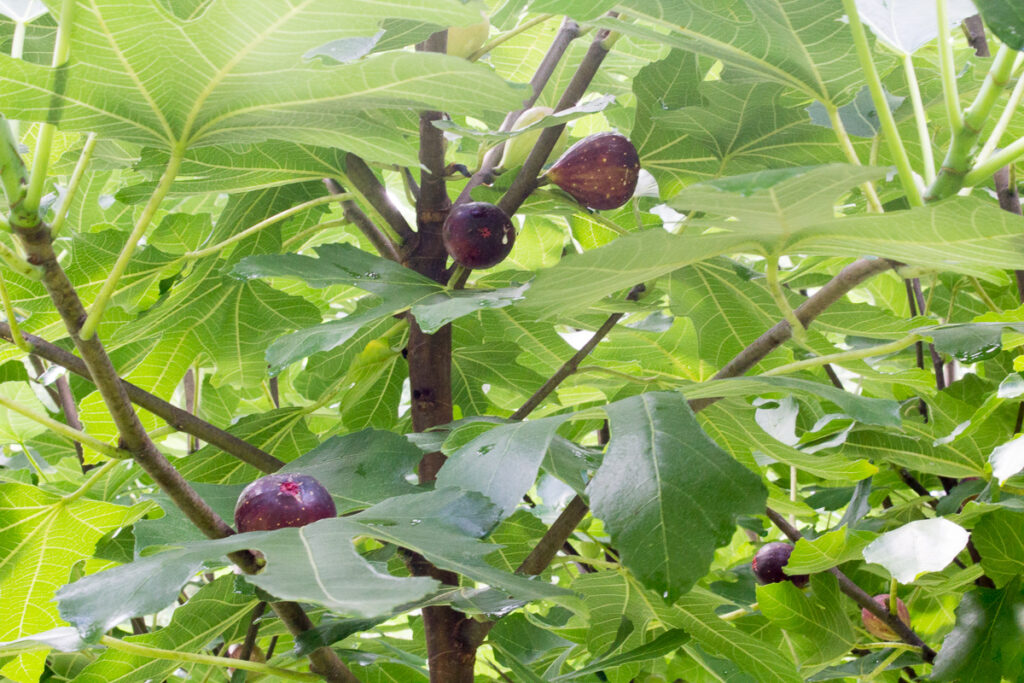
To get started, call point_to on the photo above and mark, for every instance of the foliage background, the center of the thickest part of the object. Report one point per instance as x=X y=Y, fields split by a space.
x=764 y=157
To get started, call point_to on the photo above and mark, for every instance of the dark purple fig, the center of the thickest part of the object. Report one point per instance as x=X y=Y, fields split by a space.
x=478 y=235
x=879 y=628
x=599 y=171
x=769 y=561
x=280 y=500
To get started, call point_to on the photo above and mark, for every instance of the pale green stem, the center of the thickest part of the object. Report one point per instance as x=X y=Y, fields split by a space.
x=1004 y=119
x=1007 y=155
x=885 y=663
x=94 y=477
x=456 y=275
x=991 y=88
x=5 y=225
x=507 y=35
x=844 y=356
x=18 y=264
x=601 y=220
x=771 y=273
x=892 y=135
x=947 y=67
x=35 y=465
x=370 y=210
x=66 y=431
x=12 y=319
x=44 y=141
x=266 y=223
x=921 y=119
x=980 y=291
x=737 y=613
x=868 y=188
x=17 y=50
x=196 y=658
x=163 y=431
x=310 y=230
x=76 y=179
x=92 y=321
x=894 y=587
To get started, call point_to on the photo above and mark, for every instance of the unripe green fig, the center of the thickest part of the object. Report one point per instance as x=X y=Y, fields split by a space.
x=478 y=235
x=465 y=40
x=879 y=628
x=519 y=147
x=600 y=171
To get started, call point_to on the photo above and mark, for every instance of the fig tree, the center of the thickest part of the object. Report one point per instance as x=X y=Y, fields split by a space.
x=769 y=561
x=599 y=171
x=280 y=500
x=478 y=235
x=879 y=628
x=518 y=148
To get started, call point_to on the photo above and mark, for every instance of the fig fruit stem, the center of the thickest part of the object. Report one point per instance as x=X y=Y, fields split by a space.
x=196 y=658
x=76 y=179
x=892 y=135
x=894 y=586
x=44 y=139
x=508 y=35
x=12 y=319
x=458 y=274
x=92 y=321
x=265 y=223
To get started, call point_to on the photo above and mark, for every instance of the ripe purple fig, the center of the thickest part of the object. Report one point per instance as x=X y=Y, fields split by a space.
x=599 y=171
x=879 y=628
x=478 y=235
x=280 y=500
x=769 y=561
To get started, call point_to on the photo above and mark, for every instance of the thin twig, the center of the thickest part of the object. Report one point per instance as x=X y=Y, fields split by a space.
x=365 y=183
x=567 y=33
x=525 y=181
x=380 y=241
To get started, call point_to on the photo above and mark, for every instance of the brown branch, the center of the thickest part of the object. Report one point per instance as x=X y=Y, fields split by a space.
x=180 y=419
x=1009 y=200
x=525 y=181
x=848 y=278
x=974 y=29
x=70 y=410
x=381 y=242
x=859 y=595
x=567 y=32
x=190 y=388
x=569 y=366
x=366 y=183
